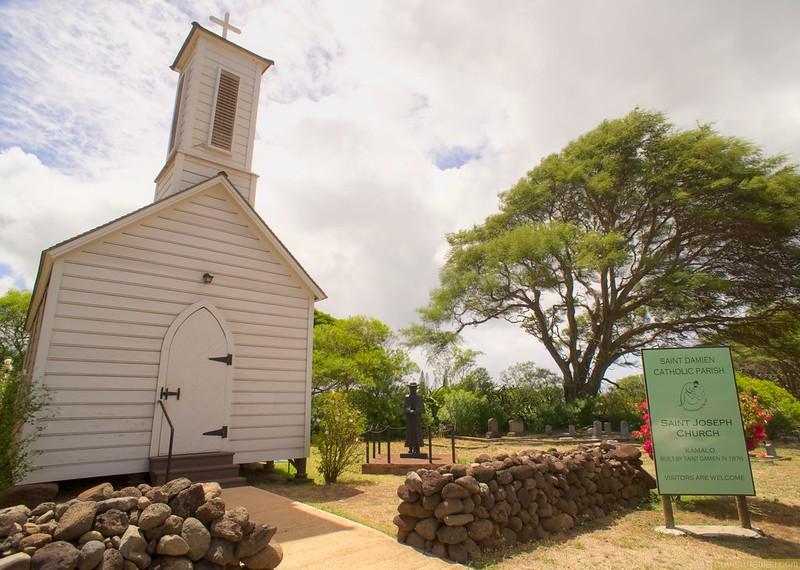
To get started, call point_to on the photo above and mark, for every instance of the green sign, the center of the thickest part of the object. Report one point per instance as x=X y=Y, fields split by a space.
x=698 y=437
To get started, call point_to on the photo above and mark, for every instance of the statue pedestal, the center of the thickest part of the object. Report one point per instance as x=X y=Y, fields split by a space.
x=414 y=455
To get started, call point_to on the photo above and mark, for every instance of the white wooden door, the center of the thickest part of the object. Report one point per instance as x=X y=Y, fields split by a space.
x=201 y=406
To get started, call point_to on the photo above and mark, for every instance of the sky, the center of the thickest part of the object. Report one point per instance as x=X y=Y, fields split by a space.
x=383 y=125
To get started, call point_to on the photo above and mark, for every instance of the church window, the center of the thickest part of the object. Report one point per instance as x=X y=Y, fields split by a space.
x=224 y=110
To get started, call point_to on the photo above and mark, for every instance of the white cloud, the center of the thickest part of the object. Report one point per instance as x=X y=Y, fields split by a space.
x=362 y=98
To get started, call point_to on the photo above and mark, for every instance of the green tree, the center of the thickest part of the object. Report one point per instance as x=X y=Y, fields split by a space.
x=449 y=362
x=321 y=318
x=635 y=234
x=769 y=348
x=13 y=336
x=479 y=381
x=362 y=357
x=527 y=373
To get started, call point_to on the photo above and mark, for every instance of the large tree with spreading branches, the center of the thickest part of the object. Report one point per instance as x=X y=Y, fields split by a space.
x=637 y=234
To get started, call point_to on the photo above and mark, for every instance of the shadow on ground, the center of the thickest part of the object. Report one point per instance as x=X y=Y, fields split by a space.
x=308 y=492
x=761 y=511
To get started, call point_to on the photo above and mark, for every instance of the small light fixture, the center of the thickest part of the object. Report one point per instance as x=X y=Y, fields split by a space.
x=207 y=278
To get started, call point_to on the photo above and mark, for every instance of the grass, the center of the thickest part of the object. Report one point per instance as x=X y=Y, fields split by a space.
x=622 y=539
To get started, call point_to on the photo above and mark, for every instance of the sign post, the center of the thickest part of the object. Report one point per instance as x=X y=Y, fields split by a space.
x=698 y=436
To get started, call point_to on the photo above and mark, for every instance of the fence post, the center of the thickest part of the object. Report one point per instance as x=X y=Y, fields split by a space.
x=453 y=442
x=388 y=444
x=430 y=444
x=366 y=441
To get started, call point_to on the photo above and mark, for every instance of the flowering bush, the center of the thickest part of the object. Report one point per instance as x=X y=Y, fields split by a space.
x=340 y=426
x=782 y=406
x=645 y=432
x=755 y=419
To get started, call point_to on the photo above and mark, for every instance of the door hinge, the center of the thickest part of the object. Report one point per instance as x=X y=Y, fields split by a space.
x=228 y=359
x=221 y=432
x=165 y=394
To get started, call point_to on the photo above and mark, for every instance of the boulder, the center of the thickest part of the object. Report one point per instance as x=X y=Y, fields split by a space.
x=76 y=520
x=432 y=482
x=265 y=559
x=197 y=536
x=172 y=545
x=60 y=555
x=451 y=534
x=91 y=555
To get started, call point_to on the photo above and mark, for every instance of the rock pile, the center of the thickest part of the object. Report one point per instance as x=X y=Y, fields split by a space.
x=459 y=511
x=180 y=525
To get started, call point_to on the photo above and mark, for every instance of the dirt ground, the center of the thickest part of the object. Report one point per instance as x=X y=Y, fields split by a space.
x=625 y=539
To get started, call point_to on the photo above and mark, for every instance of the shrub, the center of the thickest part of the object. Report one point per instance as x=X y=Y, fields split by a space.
x=536 y=406
x=434 y=400
x=754 y=420
x=620 y=402
x=385 y=409
x=581 y=412
x=19 y=403
x=465 y=410
x=339 y=430
x=645 y=431
x=779 y=403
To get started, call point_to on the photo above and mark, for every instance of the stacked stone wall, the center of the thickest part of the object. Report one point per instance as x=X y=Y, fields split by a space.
x=461 y=511
x=178 y=526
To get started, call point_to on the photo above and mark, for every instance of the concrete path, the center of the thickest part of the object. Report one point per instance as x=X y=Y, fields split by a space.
x=312 y=538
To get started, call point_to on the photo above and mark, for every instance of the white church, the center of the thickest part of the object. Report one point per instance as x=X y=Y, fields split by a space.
x=185 y=325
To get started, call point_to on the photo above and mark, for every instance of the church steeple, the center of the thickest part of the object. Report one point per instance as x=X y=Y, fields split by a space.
x=214 y=121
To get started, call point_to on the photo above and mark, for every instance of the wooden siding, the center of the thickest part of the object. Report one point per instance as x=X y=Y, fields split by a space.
x=194 y=159
x=214 y=58
x=116 y=300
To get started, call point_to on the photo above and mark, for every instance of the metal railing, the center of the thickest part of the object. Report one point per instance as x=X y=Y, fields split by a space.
x=171 y=438
x=377 y=435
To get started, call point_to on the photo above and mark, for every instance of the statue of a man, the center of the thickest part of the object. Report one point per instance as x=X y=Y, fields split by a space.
x=413 y=408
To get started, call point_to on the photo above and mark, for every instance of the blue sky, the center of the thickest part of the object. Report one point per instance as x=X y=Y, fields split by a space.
x=382 y=126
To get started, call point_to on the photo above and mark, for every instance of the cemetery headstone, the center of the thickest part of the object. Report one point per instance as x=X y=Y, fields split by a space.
x=597 y=429
x=607 y=428
x=515 y=428
x=624 y=431
x=548 y=430
x=572 y=431
x=770 y=447
x=494 y=429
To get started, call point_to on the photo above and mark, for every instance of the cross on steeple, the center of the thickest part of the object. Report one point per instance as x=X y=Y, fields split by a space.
x=226 y=25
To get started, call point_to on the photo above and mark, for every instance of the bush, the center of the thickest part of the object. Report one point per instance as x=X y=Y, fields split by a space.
x=620 y=402
x=339 y=429
x=19 y=403
x=384 y=409
x=781 y=405
x=465 y=410
x=536 y=406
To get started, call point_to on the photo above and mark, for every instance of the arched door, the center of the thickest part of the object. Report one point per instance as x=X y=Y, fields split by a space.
x=196 y=364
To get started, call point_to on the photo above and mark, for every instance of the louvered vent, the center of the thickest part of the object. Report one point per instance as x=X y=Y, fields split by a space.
x=225 y=110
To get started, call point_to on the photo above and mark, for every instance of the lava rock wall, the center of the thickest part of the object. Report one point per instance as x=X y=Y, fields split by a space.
x=460 y=511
